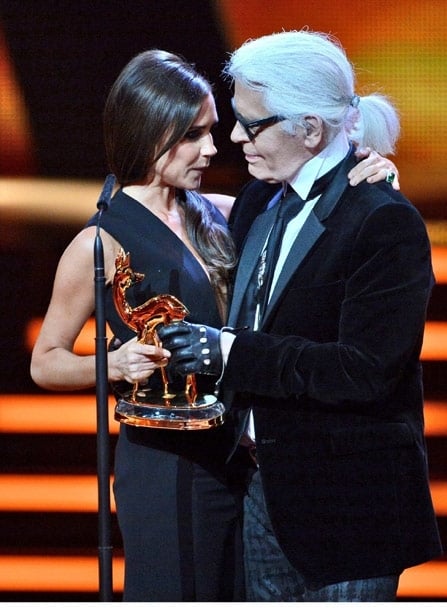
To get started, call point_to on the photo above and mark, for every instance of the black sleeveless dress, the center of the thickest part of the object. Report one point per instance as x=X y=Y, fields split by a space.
x=178 y=503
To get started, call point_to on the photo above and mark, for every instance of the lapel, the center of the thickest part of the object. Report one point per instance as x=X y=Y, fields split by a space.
x=249 y=260
x=310 y=233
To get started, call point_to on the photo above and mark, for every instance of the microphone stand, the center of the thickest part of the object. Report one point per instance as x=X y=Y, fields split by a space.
x=102 y=412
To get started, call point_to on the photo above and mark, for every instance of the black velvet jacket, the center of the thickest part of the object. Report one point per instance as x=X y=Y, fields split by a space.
x=335 y=383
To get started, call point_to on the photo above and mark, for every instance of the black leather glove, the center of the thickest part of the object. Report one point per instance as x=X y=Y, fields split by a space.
x=195 y=348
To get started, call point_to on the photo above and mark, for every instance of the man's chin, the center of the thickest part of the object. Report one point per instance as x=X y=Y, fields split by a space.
x=263 y=176
x=256 y=172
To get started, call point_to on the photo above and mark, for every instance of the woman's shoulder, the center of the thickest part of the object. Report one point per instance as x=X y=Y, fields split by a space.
x=223 y=203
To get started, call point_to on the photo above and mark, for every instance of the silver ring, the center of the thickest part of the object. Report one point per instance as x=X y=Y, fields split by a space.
x=390 y=175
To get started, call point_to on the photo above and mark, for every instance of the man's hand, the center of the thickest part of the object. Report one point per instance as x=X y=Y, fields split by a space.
x=195 y=348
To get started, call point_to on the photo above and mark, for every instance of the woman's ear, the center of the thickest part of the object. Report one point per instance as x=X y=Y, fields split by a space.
x=313 y=126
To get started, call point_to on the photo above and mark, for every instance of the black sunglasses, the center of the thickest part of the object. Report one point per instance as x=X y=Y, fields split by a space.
x=252 y=128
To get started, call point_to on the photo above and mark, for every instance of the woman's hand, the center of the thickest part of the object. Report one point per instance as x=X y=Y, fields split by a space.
x=135 y=362
x=373 y=168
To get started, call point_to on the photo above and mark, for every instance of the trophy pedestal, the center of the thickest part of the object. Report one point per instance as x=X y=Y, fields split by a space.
x=151 y=409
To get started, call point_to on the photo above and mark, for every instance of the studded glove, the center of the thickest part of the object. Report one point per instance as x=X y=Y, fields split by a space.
x=195 y=348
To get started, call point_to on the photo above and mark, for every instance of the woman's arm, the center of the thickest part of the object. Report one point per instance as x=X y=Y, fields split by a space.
x=224 y=203
x=54 y=365
x=373 y=168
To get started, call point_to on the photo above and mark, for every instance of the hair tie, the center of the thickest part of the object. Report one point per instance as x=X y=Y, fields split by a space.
x=355 y=100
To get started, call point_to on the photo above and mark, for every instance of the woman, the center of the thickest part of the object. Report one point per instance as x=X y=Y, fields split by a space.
x=178 y=504
x=158 y=121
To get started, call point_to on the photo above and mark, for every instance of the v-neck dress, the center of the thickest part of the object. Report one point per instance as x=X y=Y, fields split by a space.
x=178 y=503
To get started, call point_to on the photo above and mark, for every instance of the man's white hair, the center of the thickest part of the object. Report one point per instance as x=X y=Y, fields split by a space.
x=304 y=73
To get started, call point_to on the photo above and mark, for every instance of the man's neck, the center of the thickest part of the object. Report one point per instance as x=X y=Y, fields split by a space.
x=320 y=164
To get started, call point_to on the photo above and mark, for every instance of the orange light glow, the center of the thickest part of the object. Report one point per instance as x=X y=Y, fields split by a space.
x=49 y=493
x=427 y=580
x=435 y=341
x=68 y=493
x=439 y=495
x=16 y=145
x=435 y=414
x=439 y=258
x=51 y=413
x=80 y=574
x=55 y=573
x=60 y=413
x=84 y=345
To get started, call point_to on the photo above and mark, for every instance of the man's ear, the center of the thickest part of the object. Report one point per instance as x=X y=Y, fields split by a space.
x=313 y=126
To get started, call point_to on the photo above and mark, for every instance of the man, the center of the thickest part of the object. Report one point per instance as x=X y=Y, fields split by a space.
x=323 y=370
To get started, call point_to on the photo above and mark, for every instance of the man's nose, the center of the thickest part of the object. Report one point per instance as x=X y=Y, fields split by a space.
x=238 y=134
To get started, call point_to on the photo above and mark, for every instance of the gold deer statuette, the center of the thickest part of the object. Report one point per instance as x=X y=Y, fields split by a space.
x=144 y=319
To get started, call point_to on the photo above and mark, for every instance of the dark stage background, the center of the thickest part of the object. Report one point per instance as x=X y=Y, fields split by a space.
x=58 y=60
x=66 y=55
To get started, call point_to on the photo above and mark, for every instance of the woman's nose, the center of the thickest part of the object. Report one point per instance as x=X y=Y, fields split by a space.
x=208 y=148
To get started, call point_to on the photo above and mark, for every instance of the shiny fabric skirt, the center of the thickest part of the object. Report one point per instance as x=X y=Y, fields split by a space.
x=179 y=510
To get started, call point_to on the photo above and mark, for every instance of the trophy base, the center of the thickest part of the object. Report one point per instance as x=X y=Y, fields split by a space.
x=152 y=410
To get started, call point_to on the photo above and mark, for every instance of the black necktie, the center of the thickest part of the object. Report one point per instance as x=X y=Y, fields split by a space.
x=288 y=207
x=258 y=288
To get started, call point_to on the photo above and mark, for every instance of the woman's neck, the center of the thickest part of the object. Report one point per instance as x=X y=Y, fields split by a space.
x=159 y=200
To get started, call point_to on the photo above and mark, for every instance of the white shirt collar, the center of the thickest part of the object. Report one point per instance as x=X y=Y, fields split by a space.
x=323 y=162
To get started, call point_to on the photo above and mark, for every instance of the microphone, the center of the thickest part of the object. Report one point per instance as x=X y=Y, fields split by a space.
x=106 y=193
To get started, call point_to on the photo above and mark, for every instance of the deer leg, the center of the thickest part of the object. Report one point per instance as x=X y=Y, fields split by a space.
x=191 y=388
x=134 y=392
x=167 y=395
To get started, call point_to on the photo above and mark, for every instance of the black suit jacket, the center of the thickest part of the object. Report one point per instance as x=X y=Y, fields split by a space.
x=335 y=383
